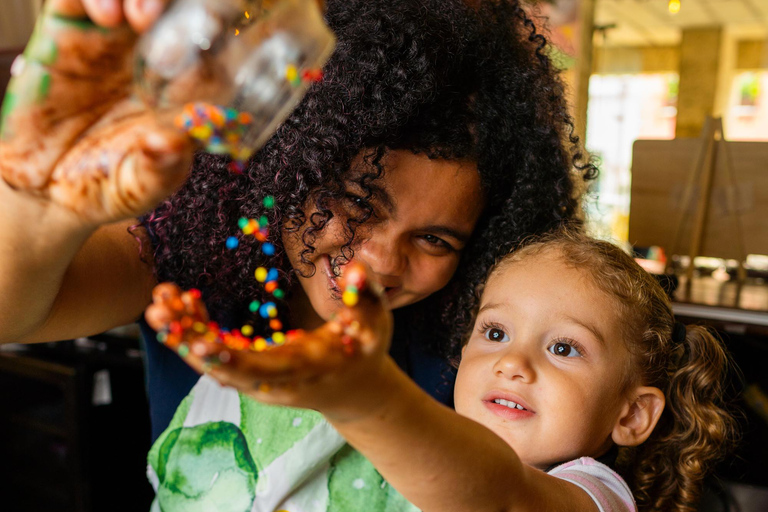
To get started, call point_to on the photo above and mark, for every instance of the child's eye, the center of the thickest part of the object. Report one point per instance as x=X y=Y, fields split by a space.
x=565 y=348
x=495 y=334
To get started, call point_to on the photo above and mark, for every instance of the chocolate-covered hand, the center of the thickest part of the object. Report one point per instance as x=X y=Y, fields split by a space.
x=327 y=369
x=70 y=133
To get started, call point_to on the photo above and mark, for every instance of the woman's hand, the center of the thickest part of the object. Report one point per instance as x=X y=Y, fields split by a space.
x=335 y=369
x=70 y=133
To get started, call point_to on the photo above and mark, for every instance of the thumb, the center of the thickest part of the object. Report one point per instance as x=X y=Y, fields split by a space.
x=154 y=167
x=365 y=306
x=165 y=158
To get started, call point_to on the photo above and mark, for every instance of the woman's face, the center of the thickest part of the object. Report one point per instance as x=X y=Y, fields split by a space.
x=424 y=213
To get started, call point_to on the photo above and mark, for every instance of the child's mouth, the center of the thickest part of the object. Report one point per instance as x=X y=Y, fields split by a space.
x=510 y=404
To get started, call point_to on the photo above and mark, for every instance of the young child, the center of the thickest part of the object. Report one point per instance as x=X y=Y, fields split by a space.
x=574 y=355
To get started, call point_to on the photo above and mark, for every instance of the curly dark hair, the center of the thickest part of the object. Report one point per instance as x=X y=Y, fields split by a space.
x=437 y=77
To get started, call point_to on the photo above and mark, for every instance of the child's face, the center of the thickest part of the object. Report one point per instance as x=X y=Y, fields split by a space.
x=547 y=339
x=423 y=219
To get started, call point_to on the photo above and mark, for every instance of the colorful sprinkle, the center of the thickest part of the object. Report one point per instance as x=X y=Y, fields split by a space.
x=261 y=274
x=268 y=248
x=232 y=243
x=312 y=75
x=220 y=130
x=349 y=298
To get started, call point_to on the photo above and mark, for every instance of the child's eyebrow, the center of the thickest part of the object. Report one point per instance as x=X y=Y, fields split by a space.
x=591 y=328
x=490 y=305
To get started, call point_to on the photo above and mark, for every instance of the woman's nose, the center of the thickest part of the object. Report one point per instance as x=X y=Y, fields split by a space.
x=383 y=253
x=515 y=364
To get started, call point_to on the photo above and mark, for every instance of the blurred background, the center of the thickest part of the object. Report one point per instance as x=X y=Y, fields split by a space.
x=671 y=99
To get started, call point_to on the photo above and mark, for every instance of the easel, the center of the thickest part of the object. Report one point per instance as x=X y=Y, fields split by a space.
x=701 y=176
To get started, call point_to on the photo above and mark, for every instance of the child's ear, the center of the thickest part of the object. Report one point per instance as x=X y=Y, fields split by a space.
x=639 y=416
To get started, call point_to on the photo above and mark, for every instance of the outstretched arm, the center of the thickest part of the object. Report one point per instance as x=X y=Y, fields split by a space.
x=438 y=460
x=79 y=161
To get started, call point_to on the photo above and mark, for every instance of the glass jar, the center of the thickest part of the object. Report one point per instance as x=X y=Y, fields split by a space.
x=245 y=63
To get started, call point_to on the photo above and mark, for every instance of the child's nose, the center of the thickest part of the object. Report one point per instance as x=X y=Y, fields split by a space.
x=514 y=364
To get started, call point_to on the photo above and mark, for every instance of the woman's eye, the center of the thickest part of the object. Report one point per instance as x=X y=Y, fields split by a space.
x=437 y=244
x=494 y=334
x=357 y=202
x=564 y=350
x=432 y=239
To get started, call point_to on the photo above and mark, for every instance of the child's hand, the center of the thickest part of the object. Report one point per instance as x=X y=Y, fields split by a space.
x=70 y=133
x=331 y=369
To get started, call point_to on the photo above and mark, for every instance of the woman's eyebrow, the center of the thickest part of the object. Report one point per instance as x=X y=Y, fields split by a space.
x=384 y=197
x=377 y=193
x=449 y=232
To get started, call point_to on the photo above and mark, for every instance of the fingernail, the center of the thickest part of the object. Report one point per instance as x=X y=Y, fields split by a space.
x=161 y=151
x=151 y=8
x=109 y=7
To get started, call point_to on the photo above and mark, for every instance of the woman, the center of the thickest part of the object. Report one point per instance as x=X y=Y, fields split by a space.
x=437 y=139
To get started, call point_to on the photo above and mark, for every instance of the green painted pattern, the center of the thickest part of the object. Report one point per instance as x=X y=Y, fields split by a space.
x=354 y=484
x=215 y=466
x=41 y=48
x=44 y=87
x=206 y=468
x=9 y=104
x=278 y=428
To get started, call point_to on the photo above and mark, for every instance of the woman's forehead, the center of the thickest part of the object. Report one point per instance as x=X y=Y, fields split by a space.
x=438 y=188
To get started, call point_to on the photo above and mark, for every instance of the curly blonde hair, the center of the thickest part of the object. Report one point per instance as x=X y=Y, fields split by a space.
x=695 y=430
